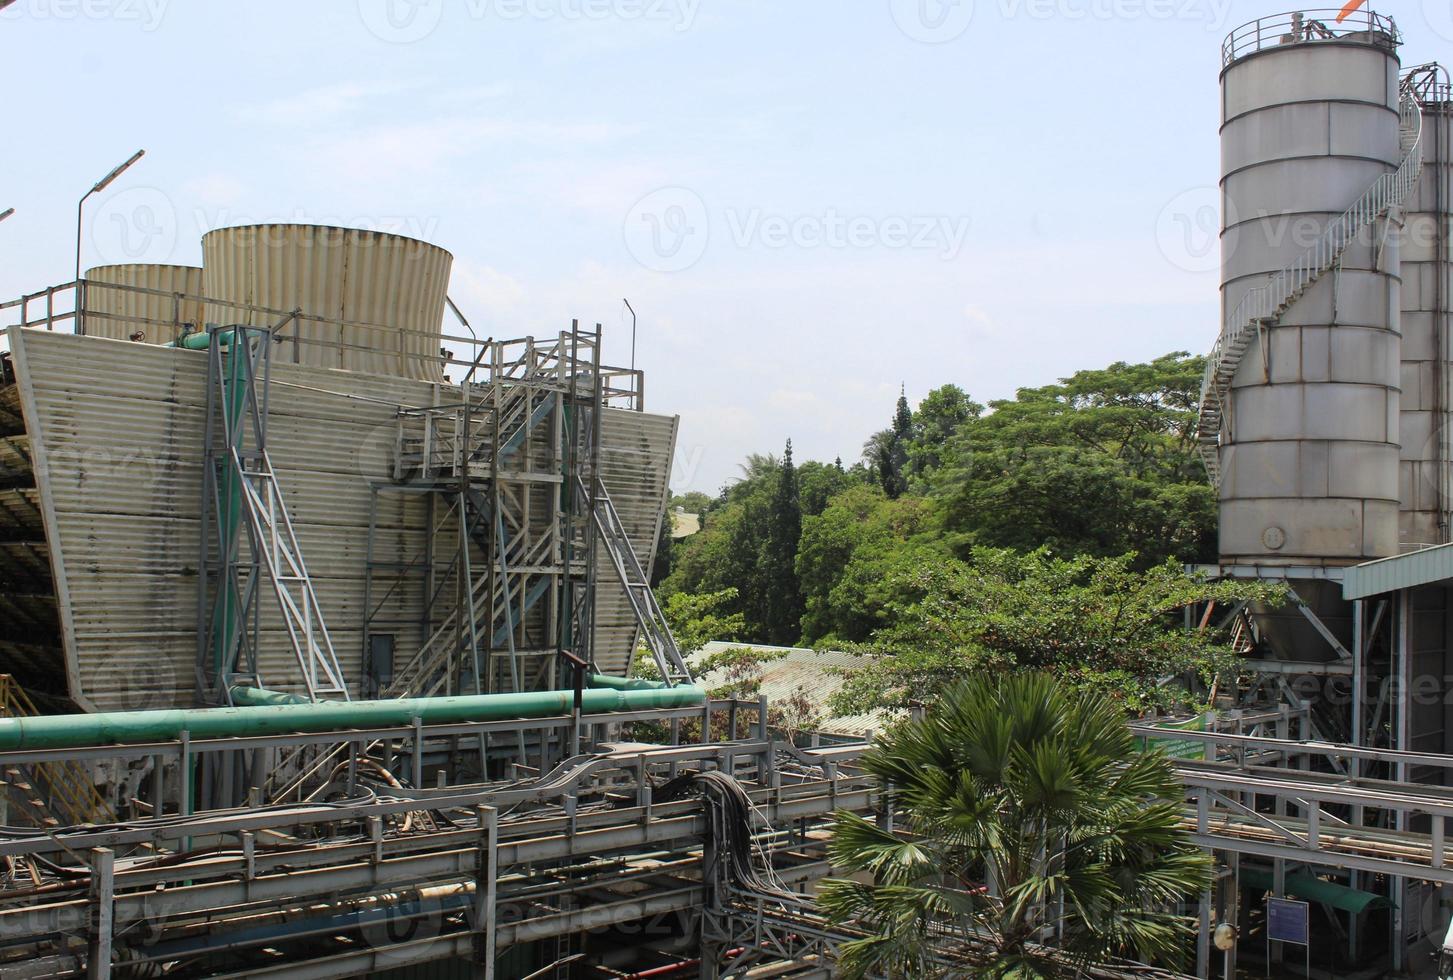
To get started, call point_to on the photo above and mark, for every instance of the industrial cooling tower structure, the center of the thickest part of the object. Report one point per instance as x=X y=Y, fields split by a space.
x=143 y=302
x=430 y=537
x=371 y=302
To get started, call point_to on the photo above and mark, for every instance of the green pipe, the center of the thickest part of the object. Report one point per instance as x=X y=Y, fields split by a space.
x=257 y=697
x=625 y=683
x=199 y=340
x=272 y=718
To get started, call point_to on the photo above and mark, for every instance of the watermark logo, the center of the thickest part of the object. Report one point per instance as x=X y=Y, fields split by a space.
x=401 y=21
x=933 y=21
x=137 y=683
x=1188 y=230
x=145 y=14
x=940 y=234
x=406 y=21
x=138 y=224
x=668 y=230
x=941 y=21
x=1438 y=15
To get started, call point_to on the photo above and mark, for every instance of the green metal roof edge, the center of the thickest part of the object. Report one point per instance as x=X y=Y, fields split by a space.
x=1415 y=568
x=1309 y=887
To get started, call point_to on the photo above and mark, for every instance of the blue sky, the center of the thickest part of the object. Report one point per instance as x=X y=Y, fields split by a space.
x=808 y=202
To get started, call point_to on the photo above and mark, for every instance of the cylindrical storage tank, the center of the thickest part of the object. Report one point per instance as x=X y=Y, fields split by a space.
x=372 y=302
x=147 y=303
x=1424 y=476
x=1309 y=446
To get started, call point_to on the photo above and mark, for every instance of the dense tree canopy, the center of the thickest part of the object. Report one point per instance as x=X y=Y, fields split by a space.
x=1101 y=463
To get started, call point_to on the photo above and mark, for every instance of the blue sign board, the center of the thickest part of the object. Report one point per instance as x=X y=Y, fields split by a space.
x=1286 y=920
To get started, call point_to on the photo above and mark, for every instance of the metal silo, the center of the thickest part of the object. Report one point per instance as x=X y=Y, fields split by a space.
x=382 y=295
x=149 y=303
x=1302 y=388
x=1423 y=470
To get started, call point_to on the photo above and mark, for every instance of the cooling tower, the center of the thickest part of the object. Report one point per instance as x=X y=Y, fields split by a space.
x=150 y=317
x=383 y=294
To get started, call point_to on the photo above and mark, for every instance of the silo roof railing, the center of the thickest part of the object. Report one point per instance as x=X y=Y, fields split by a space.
x=1309 y=26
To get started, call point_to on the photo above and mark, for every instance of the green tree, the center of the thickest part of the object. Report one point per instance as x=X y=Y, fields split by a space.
x=1103 y=462
x=886 y=452
x=1037 y=840
x=1097 y=623
x=936 y=425
x=851 y=556
x=783 y=595
x=818 y=483
x=696 y=620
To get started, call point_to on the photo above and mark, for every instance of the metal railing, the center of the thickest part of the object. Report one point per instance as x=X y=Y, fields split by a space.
x=1307 y=26
x=70 y=306
x=1263 y=305
x=64 y=789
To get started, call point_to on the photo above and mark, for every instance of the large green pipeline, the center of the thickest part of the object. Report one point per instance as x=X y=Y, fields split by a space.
x=131 y=727
x=258 y=696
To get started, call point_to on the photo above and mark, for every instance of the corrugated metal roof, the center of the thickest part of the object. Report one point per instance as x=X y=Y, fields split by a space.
x=636 y=450
x=808 y=677
x=1398 y=572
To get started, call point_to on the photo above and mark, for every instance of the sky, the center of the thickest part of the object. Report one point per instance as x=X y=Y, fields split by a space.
x=809 y=203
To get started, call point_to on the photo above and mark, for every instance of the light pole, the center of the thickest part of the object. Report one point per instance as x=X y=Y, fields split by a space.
x=100 y=185
x=633 y=334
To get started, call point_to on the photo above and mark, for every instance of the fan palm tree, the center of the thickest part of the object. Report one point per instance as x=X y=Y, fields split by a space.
x=1039 y=841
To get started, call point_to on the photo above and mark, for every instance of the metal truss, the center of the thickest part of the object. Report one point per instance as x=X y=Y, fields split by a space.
x=505 y=583
x=241 y=493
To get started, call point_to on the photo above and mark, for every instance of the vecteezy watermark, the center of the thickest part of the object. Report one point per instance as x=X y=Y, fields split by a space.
x=669 y=230
x=941 y=21
x=933 y=21
x=138 y=224
x=1188 y=230
x=405 y=21
x=1438 y=15
x=146 y=14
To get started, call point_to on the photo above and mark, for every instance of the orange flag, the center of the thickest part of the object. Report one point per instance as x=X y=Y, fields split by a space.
x=1347 y=11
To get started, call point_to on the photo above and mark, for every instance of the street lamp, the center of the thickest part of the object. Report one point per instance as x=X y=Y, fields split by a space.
x=633 y=334
x=100 y=185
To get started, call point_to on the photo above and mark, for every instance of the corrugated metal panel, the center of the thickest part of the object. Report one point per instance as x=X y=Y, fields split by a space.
x=807 y=677
x=1400 y=572
x=635 y=466
x=389 y=290
x=117 y=433
x=121 y=314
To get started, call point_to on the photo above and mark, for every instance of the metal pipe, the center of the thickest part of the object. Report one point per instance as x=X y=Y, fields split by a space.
x=266 y=713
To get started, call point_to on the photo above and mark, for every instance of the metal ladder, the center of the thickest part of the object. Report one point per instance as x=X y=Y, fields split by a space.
x=1262 y=307
x=649 y=617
